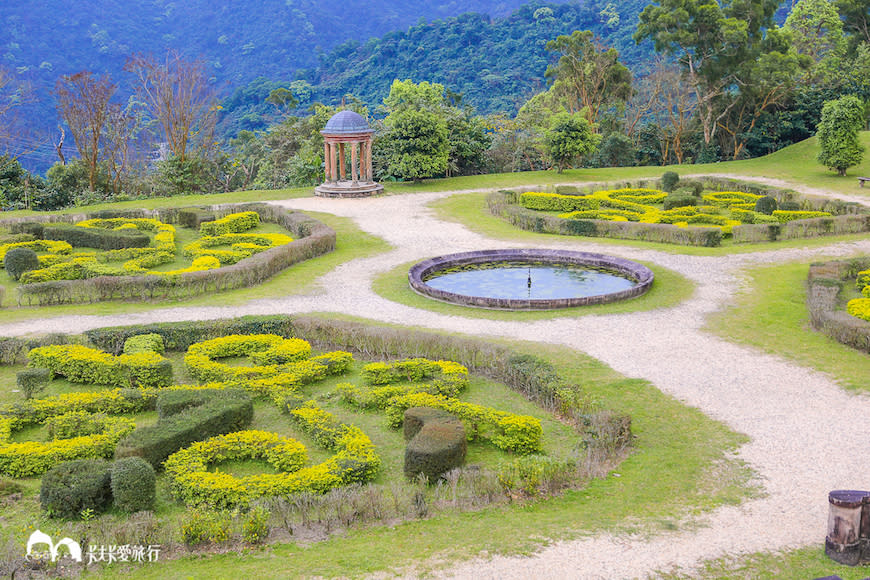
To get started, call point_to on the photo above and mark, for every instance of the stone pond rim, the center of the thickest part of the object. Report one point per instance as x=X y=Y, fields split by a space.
x=642 y=275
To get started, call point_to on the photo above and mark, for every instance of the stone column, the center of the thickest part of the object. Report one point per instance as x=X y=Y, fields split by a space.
x=341 y=161
x=369 y=169
x=353 y=160
x=332 y=168
x=326 y=162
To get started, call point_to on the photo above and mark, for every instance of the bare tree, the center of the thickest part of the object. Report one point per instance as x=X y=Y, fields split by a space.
x=83 y=101
x=177 y=94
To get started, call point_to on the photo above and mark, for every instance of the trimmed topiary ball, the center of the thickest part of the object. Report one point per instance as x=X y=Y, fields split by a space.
x=766 y=205
x=71 y=487
x=670 y=179
x=20 y=260
x=133 y=484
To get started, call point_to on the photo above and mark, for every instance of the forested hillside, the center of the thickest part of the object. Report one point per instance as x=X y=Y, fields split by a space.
x=494 y=63
x=239 y=40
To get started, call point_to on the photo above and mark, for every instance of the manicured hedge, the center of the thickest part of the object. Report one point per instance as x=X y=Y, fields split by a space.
x=312 y=239
x=436 y=442
x=144 y=343
x=31 y=458
x=193 y=217
x=101 y=239
x=80 y=364
x=826 y=309
x=231 y=224
x=72 y=487
x=134 y=484
x=845 y=217
x=179 y=336
x=185 y=417
x=503 y=204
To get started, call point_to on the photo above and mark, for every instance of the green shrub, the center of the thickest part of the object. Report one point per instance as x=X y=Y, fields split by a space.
x=71 y=487
x=675 y=200
x=17 y=261
x=232 y=224
x=691 y=187
x=670 y=179
x=200 y=527
x=436 y=442
x=101 y=239
x=256 y=527
x=193 y=217
x=185 y=416
x=144 y=343
x=766 y=205
x=80 y=364
x=567 y=190
x=31 y=382
x=133 y=484
x=75 y=424
x=789 y=205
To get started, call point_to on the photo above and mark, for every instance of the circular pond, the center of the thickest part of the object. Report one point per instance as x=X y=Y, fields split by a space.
x=529 y=279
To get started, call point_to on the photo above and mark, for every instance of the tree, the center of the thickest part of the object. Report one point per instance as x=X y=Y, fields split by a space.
x=416 y=144
x=763 y=84
x=839 y=147
x=179 y=97
x=816 y=29
x=588 y=76
x=416 y=140
x=570 y=137
x=856 y=20
x=710 y=41
x=83 y=101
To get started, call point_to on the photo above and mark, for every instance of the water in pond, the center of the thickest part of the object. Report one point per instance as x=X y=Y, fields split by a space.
x=511 y=280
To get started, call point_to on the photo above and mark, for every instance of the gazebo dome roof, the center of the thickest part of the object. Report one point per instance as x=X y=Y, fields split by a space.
x=346 y=123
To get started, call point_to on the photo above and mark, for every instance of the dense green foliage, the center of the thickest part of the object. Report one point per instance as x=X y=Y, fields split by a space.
x=69 y=488
x=436 y=442
x=17 y=261
x=133 y=484
x=185 y=417
x=839 y=147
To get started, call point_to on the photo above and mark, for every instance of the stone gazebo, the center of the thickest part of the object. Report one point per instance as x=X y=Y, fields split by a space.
x=344 y=130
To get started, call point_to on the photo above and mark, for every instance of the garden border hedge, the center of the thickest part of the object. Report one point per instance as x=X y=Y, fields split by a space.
x=313 y=238
x=827 y=313
x=848 y=217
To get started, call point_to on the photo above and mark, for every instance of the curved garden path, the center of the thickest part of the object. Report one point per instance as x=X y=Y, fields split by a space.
x=807 y=435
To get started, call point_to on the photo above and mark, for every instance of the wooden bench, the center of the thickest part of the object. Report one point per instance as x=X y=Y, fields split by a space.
x=861 y=180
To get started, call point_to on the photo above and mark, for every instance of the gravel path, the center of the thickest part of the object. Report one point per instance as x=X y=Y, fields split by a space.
x=792 y=414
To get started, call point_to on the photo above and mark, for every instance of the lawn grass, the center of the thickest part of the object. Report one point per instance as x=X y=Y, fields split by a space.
x=669 y=289
x=810 y=562
x=470 y=210
x=352 y=243
x=771 y=314
x=680 y=466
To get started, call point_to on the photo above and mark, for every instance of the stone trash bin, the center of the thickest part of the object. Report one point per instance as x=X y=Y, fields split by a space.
x=848 y=538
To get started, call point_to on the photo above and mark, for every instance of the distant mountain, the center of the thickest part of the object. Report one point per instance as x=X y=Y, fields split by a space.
x=495 y=63
x=240 y=39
